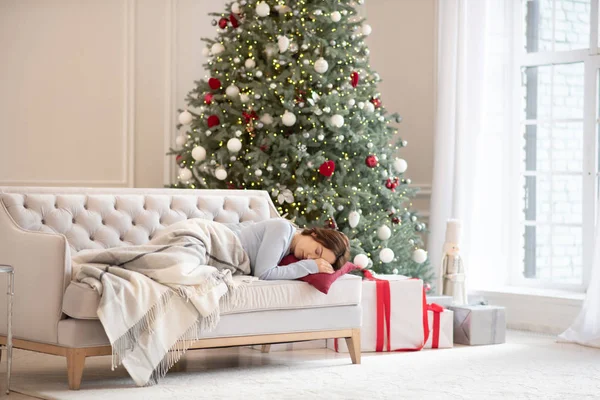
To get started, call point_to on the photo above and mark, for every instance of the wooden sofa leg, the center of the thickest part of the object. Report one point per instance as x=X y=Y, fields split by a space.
x=353 y=344
x=266 y=348
x=75 y=363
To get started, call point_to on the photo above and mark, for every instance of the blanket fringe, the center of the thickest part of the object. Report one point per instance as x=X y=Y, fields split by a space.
x=124 y=344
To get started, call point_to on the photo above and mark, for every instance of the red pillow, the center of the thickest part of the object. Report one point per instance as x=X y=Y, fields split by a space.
x=321 y=281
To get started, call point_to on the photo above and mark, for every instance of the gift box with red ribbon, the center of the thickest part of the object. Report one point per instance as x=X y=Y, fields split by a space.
x=441 y=324
x=395 y=315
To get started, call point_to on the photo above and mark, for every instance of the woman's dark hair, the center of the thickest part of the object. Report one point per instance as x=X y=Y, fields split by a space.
x=335 y=241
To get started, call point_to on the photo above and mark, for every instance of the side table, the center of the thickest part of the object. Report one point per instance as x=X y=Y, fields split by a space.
x=8 y=269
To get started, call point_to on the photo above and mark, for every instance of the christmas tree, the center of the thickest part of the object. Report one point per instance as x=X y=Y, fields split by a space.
x=291 y=106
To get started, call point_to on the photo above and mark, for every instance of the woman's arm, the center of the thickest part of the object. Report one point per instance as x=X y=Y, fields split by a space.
x=273 y=245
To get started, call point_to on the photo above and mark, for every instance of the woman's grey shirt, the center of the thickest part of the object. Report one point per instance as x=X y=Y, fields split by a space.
x=266 y=243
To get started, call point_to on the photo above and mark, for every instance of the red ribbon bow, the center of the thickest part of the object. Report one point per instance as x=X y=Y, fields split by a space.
x=249 y=116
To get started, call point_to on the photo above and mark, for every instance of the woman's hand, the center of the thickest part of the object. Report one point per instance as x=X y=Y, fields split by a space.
x=324 y=266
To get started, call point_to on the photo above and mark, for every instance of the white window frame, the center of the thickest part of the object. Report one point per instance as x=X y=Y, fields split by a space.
x=591 y=60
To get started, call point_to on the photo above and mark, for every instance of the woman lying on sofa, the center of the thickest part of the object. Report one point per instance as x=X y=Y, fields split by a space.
x=268 y=242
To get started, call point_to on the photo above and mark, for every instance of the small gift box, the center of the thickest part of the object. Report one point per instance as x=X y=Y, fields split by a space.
x=442 y=300
x=479 y=324
x=441 y=330
x=394 y=315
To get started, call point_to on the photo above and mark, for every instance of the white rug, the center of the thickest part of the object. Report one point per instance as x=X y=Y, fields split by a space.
x=528 y=366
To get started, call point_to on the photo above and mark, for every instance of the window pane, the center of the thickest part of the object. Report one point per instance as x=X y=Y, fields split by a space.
x=567 y=147
x=537 y=201
x=556 y=25
x=568 y=91
x=554 y=92
x=538 y=25
x=572 y=25
x=537 y=94
x=567 y=254
x=567 y=198
x=537 y=147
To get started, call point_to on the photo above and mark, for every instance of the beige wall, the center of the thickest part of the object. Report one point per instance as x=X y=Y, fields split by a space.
x=89 y=89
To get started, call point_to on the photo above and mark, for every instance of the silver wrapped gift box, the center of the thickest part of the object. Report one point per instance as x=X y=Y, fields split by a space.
x=479 y=324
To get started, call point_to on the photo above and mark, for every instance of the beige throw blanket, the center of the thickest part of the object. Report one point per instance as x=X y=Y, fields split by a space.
x=157 y=298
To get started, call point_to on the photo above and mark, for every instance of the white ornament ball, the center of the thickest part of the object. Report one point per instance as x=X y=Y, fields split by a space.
x=180 y=140
x=205 y=51
x=320 y=137
x=237 y=60
x=266 y=119
x=395 y=271
x=258 y=74
x=337 y=120
x=336 y=16
x=185 y=118
x=321 y=65
x=351 y=102
x=235 y=8
x=283 y=43
x=386 y=255
x=361 y=260
x=366 y=30
x=250 y=63
x=185 y=174
x=400 y=165
x=232 y=91
x=369 y=107
x=288 y=118
x=419 y=256
x=262 y=9
x=258 y=172
x=327 y=109
x=221 y=174
x=234 y=145
x=238 y=133
x=244 y=98
x=217 y=48
x=361 y=105
x=305 y=61
x=353 y=219
x=384 y=232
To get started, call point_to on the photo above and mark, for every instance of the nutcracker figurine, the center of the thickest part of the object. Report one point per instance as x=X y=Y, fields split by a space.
x=452 y=274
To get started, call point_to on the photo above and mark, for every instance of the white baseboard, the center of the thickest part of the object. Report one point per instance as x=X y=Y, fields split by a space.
x=537 y=311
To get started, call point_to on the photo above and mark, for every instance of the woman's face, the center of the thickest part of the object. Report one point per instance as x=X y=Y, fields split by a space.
x=308 y=248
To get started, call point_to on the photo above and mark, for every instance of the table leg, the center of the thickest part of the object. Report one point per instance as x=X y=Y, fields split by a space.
x=9 y=347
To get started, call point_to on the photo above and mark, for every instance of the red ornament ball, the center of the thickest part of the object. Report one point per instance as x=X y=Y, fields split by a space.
x=234 y=21
x=371 y=161
x=223 y=23
x=427 y=287
x=396 y=220
x=208 y=98
x=376 y=102
x=214 y=83
x=330 y=223
x=327 y=168
x=179 y=159
x=213 y=120
x=354 y=77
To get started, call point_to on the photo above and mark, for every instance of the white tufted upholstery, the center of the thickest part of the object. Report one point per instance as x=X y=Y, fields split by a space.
x=108 y=217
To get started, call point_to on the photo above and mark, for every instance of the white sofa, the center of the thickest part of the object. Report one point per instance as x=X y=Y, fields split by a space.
x=41 y=228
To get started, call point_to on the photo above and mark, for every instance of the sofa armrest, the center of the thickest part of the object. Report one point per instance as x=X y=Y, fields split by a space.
x=42 y=264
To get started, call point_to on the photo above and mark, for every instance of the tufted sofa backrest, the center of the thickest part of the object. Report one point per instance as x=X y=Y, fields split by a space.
x=95 y=218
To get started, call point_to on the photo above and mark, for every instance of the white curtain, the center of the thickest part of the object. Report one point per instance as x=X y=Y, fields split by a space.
x=586 y=328
x=474 y=173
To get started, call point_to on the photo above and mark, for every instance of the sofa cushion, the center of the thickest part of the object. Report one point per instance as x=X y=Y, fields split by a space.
x=81 y=301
